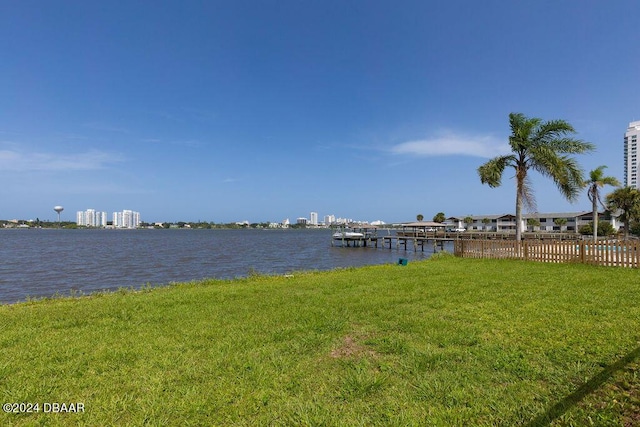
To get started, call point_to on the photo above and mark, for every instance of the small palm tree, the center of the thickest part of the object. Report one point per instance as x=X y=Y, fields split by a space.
x=419 y=217
x=625 y=201
x=540 y=146
x=533 y=223
x=486 y=222
x=596 y=181
x=439 y=217
x=468 y=220
x=560 y=222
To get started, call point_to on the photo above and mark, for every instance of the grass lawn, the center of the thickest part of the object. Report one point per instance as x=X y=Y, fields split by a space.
x=441 y=342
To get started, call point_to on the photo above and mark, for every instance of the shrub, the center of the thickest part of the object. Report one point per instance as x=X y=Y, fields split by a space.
x=604 y=229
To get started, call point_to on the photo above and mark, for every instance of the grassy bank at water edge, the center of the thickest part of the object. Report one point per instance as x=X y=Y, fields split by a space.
x=445 y=342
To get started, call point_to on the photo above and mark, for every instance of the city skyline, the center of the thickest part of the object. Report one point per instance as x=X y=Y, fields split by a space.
x=312 y=220
x=255 y=111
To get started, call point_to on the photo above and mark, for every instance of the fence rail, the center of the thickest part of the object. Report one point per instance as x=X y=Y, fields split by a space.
x=604 y=252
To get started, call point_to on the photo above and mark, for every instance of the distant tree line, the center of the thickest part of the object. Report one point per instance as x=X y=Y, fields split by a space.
x=202 y=225
x=37 y=223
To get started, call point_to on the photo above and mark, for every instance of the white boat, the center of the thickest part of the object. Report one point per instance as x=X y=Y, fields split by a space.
x=348 y=235
x=355 y=235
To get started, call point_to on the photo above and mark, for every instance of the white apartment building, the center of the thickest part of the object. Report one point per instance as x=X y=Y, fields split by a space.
x=313 y=218
x=542 y=221
x=631 y=155
x=126 y=219
x=91 y=218
x=329 y=219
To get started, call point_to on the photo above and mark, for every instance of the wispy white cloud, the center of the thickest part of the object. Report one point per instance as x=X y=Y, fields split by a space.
x=20 y=161
x=454 y=144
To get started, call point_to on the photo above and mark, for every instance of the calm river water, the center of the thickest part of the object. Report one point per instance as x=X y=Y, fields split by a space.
x=42 y=262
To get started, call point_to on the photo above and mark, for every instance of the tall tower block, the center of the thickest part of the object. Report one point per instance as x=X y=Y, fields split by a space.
x=631 y=155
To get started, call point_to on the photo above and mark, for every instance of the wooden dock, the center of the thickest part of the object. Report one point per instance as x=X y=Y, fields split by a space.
x=392 y=241
x=423 y=234
x=356 y=236
x=356 y=242
x=416 y=242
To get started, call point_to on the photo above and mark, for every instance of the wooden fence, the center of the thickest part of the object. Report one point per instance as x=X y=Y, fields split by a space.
x=605 y=252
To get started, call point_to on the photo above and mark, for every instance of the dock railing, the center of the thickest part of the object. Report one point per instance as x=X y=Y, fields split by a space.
x=604 y=252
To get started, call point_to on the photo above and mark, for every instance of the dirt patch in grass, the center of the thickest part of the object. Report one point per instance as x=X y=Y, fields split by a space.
x=350 y=348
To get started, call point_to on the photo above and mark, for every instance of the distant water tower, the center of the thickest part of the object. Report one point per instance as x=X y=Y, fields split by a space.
x=58 y=209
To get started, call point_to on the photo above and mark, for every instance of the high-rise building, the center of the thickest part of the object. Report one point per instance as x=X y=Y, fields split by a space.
x=631 y=155
x=329 y=219
x=313 y=218
x=126 y=219
x=91 y=218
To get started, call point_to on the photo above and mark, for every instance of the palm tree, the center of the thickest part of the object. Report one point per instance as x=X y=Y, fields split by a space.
x=540 y=146
x=597 y=180
x=486 y=222
x=439 y=217
x=419 y=217
x=533 y=223
x=468 y=220
x=626 y=201
x=561 y=222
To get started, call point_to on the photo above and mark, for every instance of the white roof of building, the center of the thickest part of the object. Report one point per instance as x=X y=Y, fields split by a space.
x=527 y=215
x=424 y=224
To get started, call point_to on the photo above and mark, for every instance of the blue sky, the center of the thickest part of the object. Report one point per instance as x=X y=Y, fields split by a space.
x=266 y=110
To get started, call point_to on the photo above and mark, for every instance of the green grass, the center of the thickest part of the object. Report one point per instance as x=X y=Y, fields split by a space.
x=442 y=342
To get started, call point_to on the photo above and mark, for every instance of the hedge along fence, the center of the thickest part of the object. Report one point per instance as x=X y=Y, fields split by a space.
x=605 y=252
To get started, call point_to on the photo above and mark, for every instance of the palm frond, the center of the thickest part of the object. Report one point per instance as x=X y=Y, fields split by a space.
x=564 y=171
x=491 y=172
x=544 y=160
x=521 y=130
x=571 y=180
x=553 y=129
x=571 y=146
x=596 y=174
x=610 y=180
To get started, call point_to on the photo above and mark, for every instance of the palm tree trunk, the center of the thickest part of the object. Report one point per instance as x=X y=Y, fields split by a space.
x=518 y=219
x=595 y=217
x=626 y=229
